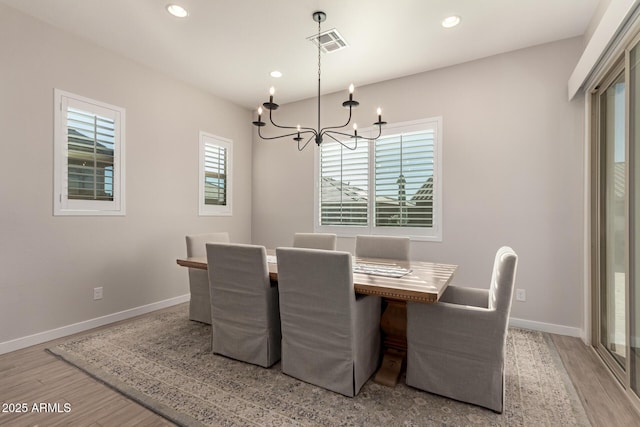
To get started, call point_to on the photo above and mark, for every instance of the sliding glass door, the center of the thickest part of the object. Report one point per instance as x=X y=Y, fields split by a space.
x=616 y=219
x=612 y=211
x=634 y=214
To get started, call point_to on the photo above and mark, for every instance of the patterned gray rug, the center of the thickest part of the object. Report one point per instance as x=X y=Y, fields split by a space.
x=163 y=361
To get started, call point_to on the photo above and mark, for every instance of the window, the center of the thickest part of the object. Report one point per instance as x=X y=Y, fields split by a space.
x=88 y=156
x=344 y=184
x=389 y=186
x=216 y=158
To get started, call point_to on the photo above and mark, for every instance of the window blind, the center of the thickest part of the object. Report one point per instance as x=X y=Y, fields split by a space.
x=404 y=167
x=344 y=184
x=391 y=185
x=215 y=174
x=90 y=155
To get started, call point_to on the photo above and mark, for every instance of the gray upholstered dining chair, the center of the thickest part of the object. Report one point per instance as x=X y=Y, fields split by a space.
x=315 y=241
x=199 y=303
x=457 y=347
x=245 y=319
x=388 y=247
x=330 y=336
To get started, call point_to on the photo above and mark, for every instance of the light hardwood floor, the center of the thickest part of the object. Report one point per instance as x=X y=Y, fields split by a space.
x=602 y=396
x=33 y=376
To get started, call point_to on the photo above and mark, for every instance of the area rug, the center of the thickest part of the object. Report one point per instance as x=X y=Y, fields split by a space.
x=163 y=361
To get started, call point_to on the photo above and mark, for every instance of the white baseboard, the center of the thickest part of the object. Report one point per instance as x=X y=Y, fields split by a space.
x=23 y=342
x=546 y=327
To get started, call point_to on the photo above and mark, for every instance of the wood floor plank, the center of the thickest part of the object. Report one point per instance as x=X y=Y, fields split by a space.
x=47 y=379
x=604 y=399
x=92 y=412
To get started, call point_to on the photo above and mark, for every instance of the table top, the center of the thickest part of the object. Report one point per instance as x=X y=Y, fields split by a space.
x=425 y=282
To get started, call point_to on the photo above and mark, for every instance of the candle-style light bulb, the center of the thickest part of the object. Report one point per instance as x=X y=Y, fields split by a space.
x=259 y=122
x=355 y=129
x=298 y=128
x=272 y=90
x=351 y=92
x=379 y=114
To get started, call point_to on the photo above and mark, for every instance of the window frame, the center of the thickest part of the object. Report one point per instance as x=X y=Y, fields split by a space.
x=62 y=205
x=227 y=144
x=434 y=233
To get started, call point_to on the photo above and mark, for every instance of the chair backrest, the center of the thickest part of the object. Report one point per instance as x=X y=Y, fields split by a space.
x=238 y=281
x=388 y=247
x=196 y=242
x=315 y=241
x=245 y=319
x=316 y=295
x=503 y=280
x=237 y=266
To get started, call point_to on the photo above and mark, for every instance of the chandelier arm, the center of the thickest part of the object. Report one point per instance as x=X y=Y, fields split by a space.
x=342 y=143
x=376 y=137
x=302 y=129
x=323 y=130
x=334 y=132
x=276 y=137
x=358 y=137
x=305 y=144
x=280 y=126
x=379 y=132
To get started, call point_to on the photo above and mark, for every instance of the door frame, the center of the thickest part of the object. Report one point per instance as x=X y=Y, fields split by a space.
x=598 y=273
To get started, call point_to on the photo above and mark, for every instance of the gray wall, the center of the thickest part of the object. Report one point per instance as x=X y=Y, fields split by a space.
x=512 y=175
x=513 y=171
x=50 y=265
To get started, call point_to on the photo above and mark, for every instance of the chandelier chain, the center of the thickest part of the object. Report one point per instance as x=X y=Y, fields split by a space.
x=319 y=56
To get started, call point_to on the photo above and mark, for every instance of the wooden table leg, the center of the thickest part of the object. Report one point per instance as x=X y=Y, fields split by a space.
x=394 y=328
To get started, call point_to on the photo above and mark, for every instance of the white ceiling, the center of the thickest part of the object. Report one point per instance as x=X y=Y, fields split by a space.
x=228 y=47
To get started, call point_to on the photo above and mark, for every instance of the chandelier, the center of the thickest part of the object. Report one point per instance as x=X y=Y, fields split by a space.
x=317 y=134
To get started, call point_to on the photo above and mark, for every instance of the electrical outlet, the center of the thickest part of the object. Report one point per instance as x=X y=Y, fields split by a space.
x=521 y=295
x=97 y=293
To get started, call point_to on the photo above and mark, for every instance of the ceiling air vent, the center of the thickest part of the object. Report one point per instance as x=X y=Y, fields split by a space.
x=329 y=41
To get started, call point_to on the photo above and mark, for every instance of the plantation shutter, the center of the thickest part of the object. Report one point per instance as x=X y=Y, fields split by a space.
x=90 y=155
x=215 y=174
x=344 y=184
x=404 y=167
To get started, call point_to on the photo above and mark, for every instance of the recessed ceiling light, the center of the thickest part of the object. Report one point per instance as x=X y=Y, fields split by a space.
x=277 y=74
x=177 y=11
x=451 y=21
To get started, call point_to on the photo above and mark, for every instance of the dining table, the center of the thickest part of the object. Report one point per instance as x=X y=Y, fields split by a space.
x=396 y=282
